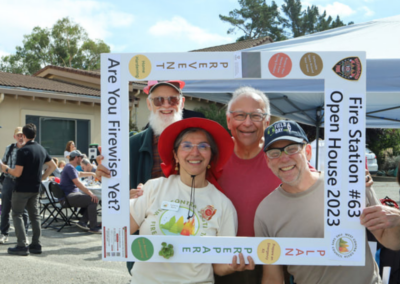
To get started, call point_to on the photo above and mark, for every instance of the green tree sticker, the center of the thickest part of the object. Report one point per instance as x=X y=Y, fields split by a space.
x=142 y=249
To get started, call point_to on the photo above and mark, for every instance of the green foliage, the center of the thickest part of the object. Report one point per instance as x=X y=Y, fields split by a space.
x=256 y=19
x=302 y=22
x=212 y=112
x=65 y=44
x=384 y=143
x=166 y=251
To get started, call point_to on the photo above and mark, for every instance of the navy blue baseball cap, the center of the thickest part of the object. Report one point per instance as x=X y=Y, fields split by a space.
x=284 y=130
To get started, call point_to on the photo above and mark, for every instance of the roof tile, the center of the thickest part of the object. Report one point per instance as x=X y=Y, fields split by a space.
x=39 y=83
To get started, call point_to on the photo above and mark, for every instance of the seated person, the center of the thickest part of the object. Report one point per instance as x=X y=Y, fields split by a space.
x=87 y=166
x=79 y=167
x=71 y=185
x=61 y=165
x=57 y=172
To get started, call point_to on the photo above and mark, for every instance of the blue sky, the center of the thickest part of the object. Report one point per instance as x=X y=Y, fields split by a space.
x=157 y=25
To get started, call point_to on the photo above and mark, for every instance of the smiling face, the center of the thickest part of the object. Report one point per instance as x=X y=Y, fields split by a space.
x=193 y=162
x=247 y=133
x=289 y=168
x=166 y=114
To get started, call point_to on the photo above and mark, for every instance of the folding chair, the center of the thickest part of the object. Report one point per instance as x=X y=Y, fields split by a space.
x=60 y=196
x=48 y=204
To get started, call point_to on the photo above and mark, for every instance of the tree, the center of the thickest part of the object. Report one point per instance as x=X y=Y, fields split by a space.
x=379 y=140
x=65 y=44
x=212 y=112
x=302 y=22
x=255 y=19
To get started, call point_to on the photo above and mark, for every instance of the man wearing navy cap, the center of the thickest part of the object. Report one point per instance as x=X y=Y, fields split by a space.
x=299 y=203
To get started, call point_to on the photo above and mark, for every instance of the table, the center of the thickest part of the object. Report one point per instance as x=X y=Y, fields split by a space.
x=93 y=187
x=96 y=190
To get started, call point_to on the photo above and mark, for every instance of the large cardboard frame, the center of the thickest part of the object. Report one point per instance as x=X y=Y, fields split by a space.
x=345 y=94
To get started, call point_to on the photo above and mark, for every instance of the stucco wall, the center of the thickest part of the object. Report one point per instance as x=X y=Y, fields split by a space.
x=13 y=113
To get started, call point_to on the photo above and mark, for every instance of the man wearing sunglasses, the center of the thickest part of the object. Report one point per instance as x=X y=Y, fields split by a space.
x=299 y=203
x=165 y=103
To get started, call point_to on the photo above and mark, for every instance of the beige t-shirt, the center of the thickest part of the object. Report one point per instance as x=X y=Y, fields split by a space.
x=300 y=215
x=214 y=216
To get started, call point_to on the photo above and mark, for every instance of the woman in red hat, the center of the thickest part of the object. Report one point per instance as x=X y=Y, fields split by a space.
x=187 y=201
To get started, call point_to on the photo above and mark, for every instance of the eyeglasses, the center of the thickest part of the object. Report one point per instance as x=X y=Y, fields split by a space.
x=254 y=116
x=202 y=147
x=159 y=101
x=289 y=150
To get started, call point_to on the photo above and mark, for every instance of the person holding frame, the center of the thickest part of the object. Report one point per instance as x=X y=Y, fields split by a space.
x=298 y=202
x=193 y=152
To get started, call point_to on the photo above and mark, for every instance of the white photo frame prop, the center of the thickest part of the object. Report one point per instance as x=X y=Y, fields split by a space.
x=345 y=94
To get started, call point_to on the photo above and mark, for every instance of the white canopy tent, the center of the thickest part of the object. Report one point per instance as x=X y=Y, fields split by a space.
x=303 y=100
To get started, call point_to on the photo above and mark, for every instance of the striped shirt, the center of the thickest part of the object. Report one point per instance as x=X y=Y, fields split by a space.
x=12 y=160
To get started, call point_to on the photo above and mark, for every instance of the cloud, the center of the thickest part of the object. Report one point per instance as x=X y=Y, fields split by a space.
x=179 y=28
x=337 y=9
x=367 y=11
x=97 y=18
x=3 y=53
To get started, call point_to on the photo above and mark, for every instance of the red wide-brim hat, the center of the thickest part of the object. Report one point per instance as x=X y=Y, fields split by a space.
x=220 y=135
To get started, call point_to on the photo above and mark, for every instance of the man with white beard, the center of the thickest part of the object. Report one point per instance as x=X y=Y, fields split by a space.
x=165 y=102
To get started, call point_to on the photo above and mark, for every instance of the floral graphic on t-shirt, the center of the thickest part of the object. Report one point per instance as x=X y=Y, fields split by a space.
x=188 y=228
x=176 y=223
x=208 y=212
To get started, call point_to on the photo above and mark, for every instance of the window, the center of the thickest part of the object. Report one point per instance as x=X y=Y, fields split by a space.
x=53 y=133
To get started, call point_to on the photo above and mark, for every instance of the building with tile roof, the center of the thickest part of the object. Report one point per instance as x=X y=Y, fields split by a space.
x=64 y=103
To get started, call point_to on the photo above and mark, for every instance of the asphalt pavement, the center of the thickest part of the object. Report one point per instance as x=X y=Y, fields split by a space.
x=69 y=256
x=74 y=256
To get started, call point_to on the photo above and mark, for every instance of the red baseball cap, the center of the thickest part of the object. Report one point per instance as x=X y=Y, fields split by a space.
x=152 y=85
x=220 y=135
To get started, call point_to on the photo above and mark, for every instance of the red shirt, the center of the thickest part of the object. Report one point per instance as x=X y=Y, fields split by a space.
x=246 y=183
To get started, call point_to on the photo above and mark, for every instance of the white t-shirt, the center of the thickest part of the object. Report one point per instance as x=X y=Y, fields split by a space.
x=214 y=216
x=66 y=153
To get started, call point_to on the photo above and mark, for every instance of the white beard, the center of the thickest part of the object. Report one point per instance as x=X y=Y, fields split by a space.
x=158 y=124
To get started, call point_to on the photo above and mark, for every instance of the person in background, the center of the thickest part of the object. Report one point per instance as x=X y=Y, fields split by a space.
x=68 y=149
x=61 y=165
x=79 y=167
x=9 y=158
x=57 y=172
x=87 y=166
x=28 y=171
x=85 y=198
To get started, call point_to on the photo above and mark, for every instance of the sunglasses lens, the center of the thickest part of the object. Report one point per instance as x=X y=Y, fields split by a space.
x=173 y=101
x=158 y=101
